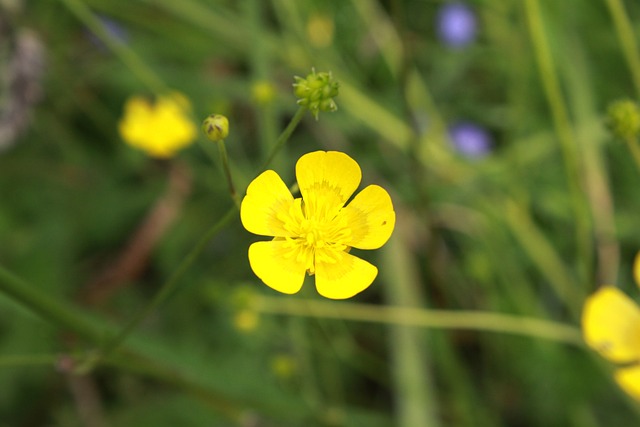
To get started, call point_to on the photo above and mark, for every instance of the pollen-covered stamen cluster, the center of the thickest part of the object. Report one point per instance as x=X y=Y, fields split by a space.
x=316 y=235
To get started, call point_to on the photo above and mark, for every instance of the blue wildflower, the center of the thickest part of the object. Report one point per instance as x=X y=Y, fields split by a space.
x=470 y=139
x=456 y=24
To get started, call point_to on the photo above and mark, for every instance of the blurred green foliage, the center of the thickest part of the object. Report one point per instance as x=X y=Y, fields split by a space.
x=529 y=229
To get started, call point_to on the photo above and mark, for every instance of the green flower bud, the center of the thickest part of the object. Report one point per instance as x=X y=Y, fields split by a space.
x=623 y=119
x=216 y=127
x=316 y=92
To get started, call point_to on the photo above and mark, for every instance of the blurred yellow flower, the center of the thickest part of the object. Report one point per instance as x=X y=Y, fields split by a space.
x=315 y=232
x=320 y=30
x=246 y=320
x=160 y=129
x=263 y=92
x=611 y=326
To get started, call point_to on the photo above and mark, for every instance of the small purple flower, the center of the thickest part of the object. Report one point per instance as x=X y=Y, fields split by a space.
x=470 y=139
x=457 y=24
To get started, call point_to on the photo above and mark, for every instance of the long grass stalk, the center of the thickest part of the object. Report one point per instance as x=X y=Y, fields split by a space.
x=409 y=347
x=566 y=138
x=424 y=318
x=624 y=31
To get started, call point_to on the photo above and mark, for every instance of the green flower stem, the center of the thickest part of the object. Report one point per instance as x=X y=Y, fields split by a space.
x=584 y=108
x=284 y=137
x=624 y=30
x=564 y=130
x=63 y=315
x=227 y=172
x=224 y=159
x=167 y=289
x=127 y=55
x=422 y=318
x=409 y=348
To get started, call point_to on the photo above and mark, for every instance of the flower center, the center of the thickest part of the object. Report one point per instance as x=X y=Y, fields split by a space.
x=316 y=235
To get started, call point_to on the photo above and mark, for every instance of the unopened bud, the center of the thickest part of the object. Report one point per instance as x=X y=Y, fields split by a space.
x=623 y=119
x=216 y=127
x=316 y=92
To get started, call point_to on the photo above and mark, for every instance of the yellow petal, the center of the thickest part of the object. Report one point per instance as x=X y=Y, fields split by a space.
x=629 y=380
x=132 y=127
x=273 y=264
x=267 y=197
x=611 y=325
x=161 y=129
x=636 y=269
x=137 y=106
x=329 y=175
x=370 y=217
x=343 y=278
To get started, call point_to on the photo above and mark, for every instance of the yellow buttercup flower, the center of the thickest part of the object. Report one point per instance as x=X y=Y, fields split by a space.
x=315 y=232
x=611 y=326
x=160 y=129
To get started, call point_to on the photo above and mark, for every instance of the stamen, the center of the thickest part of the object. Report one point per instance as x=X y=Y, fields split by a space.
x=318 y=232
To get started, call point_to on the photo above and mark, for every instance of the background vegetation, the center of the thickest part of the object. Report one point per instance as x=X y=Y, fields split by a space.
x=90 y=228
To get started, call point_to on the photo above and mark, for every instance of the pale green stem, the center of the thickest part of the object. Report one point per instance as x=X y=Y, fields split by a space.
x=127 y=55
x=284 y=137
x=423 y=318
x=597 y=182
x=303 y=353
x=409 y=350
x=223 y=159
x=624 y=30
x=227 y=172
x=564 y=131
x=59 y=313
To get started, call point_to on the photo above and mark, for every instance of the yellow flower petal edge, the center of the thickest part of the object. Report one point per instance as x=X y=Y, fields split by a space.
x=267 y=198
x=327 y=173
x=611 y=325
x=313 y=234
x=272 y=263
x=370 y=217
x=629 y=380
x=346 y=277
x=636 y=269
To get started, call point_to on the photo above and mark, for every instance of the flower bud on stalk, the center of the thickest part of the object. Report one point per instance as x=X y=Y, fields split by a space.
x=316 y=92
x=216 y=127
x=623 y=119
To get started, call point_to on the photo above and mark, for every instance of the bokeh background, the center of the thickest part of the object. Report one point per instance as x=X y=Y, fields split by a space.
x=484 y=119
